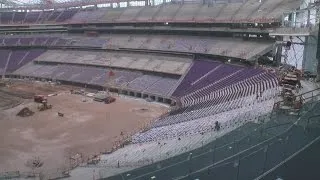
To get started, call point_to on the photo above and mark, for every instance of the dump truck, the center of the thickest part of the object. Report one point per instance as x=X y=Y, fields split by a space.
x=40 y=98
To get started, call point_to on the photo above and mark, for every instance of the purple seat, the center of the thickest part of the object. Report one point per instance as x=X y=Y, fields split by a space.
x=198 y=69
x=11 y=41
x=67 y=14
x=6 y=17
x=16 y=60
x=19 y=17
x=32 y=17
x=26 y=41
x=54 y=15
x=3 y=57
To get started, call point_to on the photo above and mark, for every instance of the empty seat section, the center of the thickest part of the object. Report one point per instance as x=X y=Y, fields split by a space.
x=54 y=15
x=143 y=82
x=267 y=7
x=147 y=13
x=208 y=13
x=80 y=17
x=96 y=15
x=162 y=86
x=219 y=73
x=187 y=12
x=44 y=15
x=26 y=41
x=112 y=14
x=40 y=41
x=122 y=78
x=67 y=14
x=11 y=41
x=248 y=8
x=16 y=60
x=228 y=11
x=4 y=54
x=198 y=70
x=32 y=17
x=19 y=17
x=167 y=12
x=129 y=14
x=6 y=17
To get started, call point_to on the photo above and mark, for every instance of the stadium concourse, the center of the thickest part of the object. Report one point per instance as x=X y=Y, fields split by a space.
x=207 y=61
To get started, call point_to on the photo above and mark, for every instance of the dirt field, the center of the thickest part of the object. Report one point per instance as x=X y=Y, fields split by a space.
x=87 y=128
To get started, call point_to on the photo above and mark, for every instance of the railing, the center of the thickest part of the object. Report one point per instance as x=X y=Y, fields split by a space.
x=307 y=96
x=245 y=153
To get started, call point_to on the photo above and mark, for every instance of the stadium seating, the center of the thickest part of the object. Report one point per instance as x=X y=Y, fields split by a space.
x=80 y=17
x=198 y=69
x=12 y=60
x=162 y=86
x=4 y=54
x=143 y=82
x=234 y=11
x=67 y=14
x=6 y=17
x=54 y=15
x=167 y=12
x=19 y=17
x=32 y=17
x=126 y=80
x=216 y=46
x=111 y=15
x=208 y=13
x=180 y=127
x=129 y=14
x=248 y=8
x=228 y=12
x=187 y=12
x=147 y=13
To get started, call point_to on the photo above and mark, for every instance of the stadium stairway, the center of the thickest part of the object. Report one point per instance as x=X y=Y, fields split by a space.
x=244 y=153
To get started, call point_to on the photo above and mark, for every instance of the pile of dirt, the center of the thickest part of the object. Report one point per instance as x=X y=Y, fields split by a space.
x=25 y=112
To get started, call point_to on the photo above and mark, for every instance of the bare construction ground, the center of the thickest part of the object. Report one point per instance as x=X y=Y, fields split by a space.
x=87 y=128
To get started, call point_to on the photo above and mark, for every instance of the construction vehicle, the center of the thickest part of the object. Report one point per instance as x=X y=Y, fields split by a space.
x=109 y=100
x=40 y=98
x=95 y=159
x=44 y=106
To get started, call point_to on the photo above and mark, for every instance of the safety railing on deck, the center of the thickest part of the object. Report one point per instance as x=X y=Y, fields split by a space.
x=245 y=153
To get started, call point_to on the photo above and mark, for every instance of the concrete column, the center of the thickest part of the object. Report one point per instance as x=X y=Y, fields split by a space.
x=318 y=71
x=305 y=52
x=308 y=18
x=294 y=19
x=278 y=55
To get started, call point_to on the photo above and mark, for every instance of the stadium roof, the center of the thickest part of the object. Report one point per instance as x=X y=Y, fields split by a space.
x=48 y=4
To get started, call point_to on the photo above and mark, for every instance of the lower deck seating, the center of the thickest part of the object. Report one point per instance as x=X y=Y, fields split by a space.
x=100 y=76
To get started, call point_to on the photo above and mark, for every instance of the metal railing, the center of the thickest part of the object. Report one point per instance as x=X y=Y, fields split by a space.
x=245 y=153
